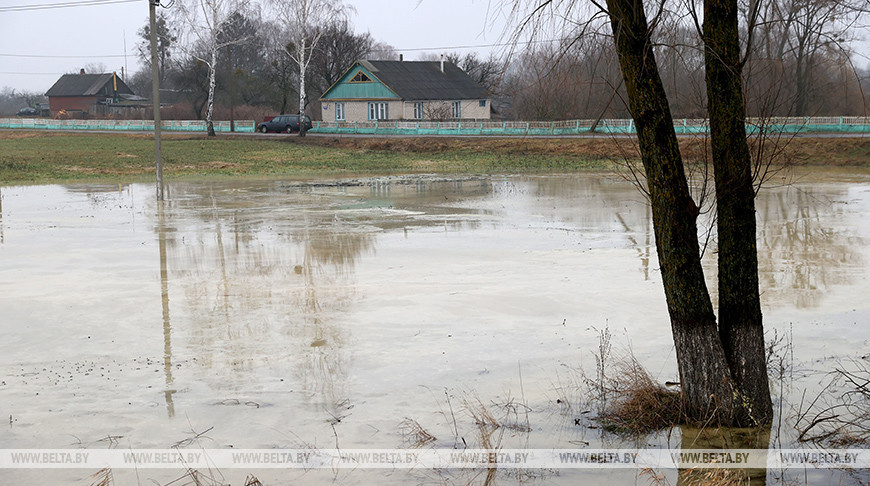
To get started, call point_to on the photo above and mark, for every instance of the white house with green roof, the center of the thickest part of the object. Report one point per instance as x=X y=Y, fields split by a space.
x=405 y=90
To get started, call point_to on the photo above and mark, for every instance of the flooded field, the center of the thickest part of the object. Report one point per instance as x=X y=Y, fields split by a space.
x=355 y=314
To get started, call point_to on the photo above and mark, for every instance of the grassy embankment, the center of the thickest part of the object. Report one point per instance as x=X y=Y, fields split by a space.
x=33 y=157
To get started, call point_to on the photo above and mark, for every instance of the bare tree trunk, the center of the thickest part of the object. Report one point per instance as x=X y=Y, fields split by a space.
x=209 y=120
x=801 y=73
x=704 y=374
x=740 y=321
x=231 y=78
x=303 y=64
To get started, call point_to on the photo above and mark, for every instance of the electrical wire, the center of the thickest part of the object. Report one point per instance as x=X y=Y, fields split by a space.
x=478 y=46
x=31 y=74
x=50 y=6
x=40 y=56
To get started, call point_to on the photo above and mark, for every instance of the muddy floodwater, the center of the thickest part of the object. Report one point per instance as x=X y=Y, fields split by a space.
x=338 y=314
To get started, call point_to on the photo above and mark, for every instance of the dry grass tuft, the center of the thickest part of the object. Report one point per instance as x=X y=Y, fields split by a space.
x=699 y=477
x=840 y=414
x=103 y=477
x=413 y=434
x=486 y=424
x=719 y=477
x=252 y=480
x=195 y=477
x=641 y=405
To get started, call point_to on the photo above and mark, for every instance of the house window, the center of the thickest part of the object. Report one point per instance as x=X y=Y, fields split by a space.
x=378 y=111
x=457 y=109
x=339 y=112
x=483 y=103
x=361 y=77
x=419 y=114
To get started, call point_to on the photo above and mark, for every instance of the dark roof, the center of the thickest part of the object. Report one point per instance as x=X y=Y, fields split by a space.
x=423 y=80
x=84 y=85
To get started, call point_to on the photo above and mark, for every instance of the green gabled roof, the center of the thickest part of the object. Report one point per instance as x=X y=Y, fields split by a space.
x=345 y=89
x=407 y=80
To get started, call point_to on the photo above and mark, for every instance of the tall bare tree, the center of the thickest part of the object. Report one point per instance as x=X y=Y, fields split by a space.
x=792 y=43
x=338 y=49
x=166 y=39
x=304 y=21
x=720 y=373
x=740 y=322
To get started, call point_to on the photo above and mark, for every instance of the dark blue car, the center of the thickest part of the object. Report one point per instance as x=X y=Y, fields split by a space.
x=283 y=124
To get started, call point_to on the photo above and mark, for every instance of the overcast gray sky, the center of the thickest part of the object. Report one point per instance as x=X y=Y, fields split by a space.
x=37 y=46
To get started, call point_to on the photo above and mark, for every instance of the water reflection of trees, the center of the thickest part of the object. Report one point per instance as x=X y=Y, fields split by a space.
x=804 y=247
x=258 y=298
x=596 y=207
x=723 y=439
x=267 y=271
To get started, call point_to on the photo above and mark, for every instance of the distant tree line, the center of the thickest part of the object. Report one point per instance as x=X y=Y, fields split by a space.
x=800 y=64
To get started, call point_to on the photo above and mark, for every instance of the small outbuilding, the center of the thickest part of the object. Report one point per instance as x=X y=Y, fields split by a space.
x=405 y=90
x=87 y=93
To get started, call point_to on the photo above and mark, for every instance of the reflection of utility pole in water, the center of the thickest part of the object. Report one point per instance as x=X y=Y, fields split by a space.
x=164 y=293
x=1 y=217
x=223 y=258
x=642 y=251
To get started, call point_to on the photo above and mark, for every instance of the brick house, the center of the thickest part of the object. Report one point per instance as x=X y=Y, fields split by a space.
x=85 y=93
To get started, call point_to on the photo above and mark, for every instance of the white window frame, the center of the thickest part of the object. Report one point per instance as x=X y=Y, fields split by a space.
x=339 y=112
x=419 y=110
x=457 y=109
x=378 y=110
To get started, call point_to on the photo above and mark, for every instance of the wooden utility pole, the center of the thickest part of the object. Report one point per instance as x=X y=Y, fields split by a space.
x=155 y=94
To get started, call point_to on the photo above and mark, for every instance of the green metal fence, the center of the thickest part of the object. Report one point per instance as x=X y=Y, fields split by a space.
x=857 y=125
x=584 y=127
x=244 y=126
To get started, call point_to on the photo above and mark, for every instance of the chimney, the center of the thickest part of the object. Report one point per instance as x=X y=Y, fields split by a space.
x=83 y=71
x=442 y=63
x=401 y=57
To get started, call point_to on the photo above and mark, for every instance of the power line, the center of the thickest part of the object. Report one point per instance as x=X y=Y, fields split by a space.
x=40 y=56
x=410 y=49
x=478 y=46
x=30 y=74
x=49 y=6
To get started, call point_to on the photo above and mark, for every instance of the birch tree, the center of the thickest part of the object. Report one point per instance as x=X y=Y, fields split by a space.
x=207 y=20
x=305 y=22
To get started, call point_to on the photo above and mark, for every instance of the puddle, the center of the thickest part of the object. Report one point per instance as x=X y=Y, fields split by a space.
x=283 y=314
